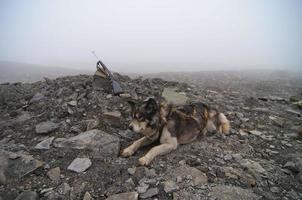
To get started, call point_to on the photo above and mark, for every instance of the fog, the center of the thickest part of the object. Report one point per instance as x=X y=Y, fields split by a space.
x=153 y=36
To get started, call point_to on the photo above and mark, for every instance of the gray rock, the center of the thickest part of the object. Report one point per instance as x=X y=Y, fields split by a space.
x=17 y=167
x=79 y=165
x=223 y=192
x=72 y=103
x=28 y=195
x=170 y=186
x=87 y=196
x=113 y=118
x=149 y=193
x=253 y=167
x=228 y=157
x=291 y=166
x=45 y=144
x=124 y=196
x=198 y=177
x=54 y=174
x=46 y=127
x=257 y=133
x=142 y=188
x=92 y=124
x=37 y=97
x=64 y=189
x=132 y=170
x=100 y=143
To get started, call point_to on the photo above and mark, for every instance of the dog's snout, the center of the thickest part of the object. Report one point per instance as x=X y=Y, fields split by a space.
x=131 y=127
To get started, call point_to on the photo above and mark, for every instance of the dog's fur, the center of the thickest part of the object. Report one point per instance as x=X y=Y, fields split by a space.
x=172 y=125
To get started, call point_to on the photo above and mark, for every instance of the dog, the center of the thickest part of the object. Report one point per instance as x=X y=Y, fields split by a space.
x=172 y=125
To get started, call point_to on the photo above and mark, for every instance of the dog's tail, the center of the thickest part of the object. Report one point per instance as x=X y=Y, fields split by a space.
x=224 y=123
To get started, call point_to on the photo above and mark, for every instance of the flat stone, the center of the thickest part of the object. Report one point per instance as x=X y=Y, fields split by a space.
x=37 y=97
x=45 y=144
x=46 y=127
x=72 y=103
x=149 y=193
x=64 y=189
x=170 y=186
x=231 y=192
x=257 y=133
x=253 y=167
x=124 y=196
x=198 y=177
x=16 y=168
x=79 y=165
x=92 y=124
x=112 y=118
x=132 y=170
x=28 y=195
x=54 y=174
x=87 y=196
x=174 y=97
x=100 y=143
x=293 y=112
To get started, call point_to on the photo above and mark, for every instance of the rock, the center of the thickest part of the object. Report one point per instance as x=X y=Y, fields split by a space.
x=150 y=173
x=18 y=167
x=129 y=184
x=72 y=103
x=238 y=174
x=87 y=196
x=79 y=165
x=293 y=112
x=291 y=166
x=253 y=167
x=299 y=177
x=100 y=143
x=113 y=118
x=174 y=97
x=228 y=157
x=64 y=189
x=132 y=170
x=124 y=196
x=46 y=127
x=92 y=124
x=243 y=134
x=257 y=133
x=170 y=186
x=274 y=189
x=45 y=144
x=37 y=97
x=276 y=120
x=149 y=193
x=275 y=98
x=54 y=174
x=142 y=188
x=223 y=192
x=198 y=177
x=28 y=195
x=77 y=189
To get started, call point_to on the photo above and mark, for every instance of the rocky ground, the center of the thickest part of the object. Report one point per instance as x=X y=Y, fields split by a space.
x=61 y=139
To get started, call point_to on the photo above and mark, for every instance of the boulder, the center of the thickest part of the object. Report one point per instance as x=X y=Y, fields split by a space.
x=100 y=143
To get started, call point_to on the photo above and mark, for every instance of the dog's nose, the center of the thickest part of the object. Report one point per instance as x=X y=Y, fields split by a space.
x=131 y=127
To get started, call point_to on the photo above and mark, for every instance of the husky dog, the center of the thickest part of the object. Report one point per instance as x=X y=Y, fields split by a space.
x=171 y=125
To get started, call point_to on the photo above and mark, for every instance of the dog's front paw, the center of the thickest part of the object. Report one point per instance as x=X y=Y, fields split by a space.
x=127 y=152
x=144 y=161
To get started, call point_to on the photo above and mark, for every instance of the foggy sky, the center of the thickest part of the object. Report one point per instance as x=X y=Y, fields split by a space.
x=153 y=36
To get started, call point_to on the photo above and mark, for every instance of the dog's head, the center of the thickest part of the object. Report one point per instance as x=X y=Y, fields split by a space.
x=144 y=115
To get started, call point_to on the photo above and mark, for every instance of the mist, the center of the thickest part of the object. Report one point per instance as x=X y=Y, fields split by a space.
x=144 y=36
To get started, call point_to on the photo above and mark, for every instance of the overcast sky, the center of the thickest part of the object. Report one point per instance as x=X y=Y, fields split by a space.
x=153 y=36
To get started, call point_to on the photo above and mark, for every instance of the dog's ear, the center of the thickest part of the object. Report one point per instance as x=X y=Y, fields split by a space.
x=132 y=104
x=151 y=106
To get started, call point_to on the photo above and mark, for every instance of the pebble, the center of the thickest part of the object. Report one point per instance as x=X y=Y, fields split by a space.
x=79 y=165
